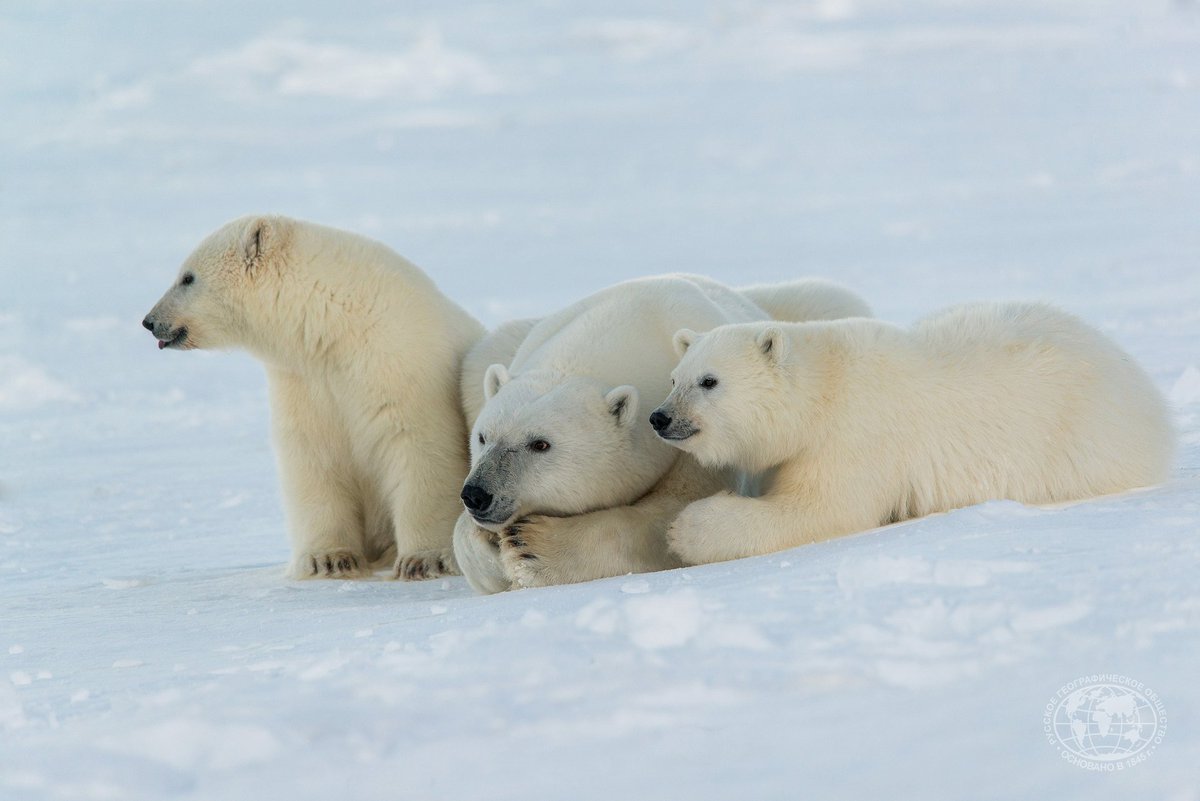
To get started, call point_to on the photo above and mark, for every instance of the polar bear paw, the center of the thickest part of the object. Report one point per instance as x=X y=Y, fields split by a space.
x=701 y=534
x=338 y=564
x=423 y=565
x=521 y=554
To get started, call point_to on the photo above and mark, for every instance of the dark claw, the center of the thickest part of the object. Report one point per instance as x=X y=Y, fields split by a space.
x=328 y=564
x=528 y=556
x=413 y=569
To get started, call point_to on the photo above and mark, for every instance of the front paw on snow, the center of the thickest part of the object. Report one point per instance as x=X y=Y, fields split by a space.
x=522 y=564
x=339 y=564
x=424 y=565
x=689 y=539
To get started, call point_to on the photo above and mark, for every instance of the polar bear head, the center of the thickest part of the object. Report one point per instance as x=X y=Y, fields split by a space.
x=732 y=400
x=223 y=286
x=558 y=445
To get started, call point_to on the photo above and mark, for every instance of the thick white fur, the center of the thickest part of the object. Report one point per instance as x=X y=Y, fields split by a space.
x=806 y=299
x=867 y=423
x=363 y=355
x=614 y=517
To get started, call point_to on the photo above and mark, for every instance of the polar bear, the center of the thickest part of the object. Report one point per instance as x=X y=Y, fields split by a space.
x=806 y=300
x=568 y=483
x=363 y=355
x=865 y=424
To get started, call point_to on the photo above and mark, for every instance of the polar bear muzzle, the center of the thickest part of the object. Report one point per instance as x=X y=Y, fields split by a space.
x=167 y=335
x=667 y=424
x=484 y=494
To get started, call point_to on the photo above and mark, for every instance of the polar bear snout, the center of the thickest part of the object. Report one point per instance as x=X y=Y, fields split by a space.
x=667 y=424
x=165 y=332
x=477 y=499
x=484 y=506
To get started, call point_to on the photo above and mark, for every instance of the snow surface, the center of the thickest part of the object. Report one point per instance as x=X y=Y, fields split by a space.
x=525 y=154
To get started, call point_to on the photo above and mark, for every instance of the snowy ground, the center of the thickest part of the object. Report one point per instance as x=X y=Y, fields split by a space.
x=922 y=151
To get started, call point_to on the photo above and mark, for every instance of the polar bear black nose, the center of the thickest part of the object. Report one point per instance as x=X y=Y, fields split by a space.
x=658 y=420
x=149 y=326
x=476 y=498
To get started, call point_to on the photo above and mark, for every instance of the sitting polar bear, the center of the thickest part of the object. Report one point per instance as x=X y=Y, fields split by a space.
x=363 y=355
x=867 y=424
x=563 y=463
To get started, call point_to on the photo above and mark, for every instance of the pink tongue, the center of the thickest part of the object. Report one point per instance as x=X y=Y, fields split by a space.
x=161 y=344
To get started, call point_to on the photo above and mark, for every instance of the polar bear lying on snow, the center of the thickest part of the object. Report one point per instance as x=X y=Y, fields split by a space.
x=568 y=482
x=868 y=424
x=363 y=355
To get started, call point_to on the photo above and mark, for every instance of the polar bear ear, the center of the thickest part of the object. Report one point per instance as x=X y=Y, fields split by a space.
x=495 y=377
x=257 y=238
x=622 y=404
x=771 y=343
x=684 y=338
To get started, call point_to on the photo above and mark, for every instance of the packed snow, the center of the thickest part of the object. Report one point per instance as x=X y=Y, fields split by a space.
x=525 y=154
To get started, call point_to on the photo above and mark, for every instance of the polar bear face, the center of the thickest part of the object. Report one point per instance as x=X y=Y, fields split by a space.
x=727 y=401
x=549 y=445
x=211 y=302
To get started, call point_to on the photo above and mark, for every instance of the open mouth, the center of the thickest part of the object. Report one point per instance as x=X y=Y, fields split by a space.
x=175 y=341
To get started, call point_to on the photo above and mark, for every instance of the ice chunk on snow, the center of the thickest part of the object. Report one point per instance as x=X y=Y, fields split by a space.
x=12 y=715
x=664 y=621
x=189 y=744
x=880 y=571
x=599 y=617
x=1051 y=617
x=295 y=66
x=24 y=385
x=123 y=584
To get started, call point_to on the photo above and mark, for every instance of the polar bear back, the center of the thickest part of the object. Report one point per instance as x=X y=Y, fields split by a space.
x=984 y=401
x=806 y=299
x=597 y=336
x=1033 y=404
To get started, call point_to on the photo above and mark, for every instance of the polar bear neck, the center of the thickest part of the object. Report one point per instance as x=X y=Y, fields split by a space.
x=336 y=295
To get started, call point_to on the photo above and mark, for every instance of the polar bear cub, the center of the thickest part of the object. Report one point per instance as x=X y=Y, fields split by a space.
x=362 y=354
x=867 y=424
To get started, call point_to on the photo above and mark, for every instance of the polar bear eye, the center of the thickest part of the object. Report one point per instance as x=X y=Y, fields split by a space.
x=539 y=445
x=481 y=440
x=708 y=382
x=188 y=279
